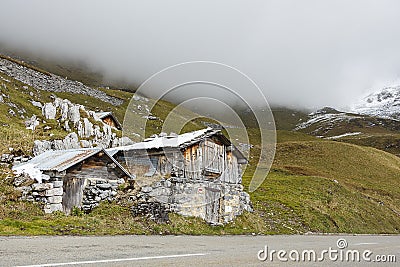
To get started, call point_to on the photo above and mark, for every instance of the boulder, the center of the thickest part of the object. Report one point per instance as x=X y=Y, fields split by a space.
x=71 y=141
x=74 y=114
x=87 y=128
x=49 y=111
x=40 y=147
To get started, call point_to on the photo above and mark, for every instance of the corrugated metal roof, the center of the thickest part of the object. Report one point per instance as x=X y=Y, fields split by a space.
x=60 y=160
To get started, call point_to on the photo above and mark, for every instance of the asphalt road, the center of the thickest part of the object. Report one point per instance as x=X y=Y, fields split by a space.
x=196 y=250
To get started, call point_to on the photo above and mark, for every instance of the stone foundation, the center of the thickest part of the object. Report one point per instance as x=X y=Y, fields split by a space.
x=188 y=198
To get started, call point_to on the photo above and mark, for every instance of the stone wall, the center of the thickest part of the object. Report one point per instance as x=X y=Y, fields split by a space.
x=188 y=198
x=97 y=190
x=50 y=192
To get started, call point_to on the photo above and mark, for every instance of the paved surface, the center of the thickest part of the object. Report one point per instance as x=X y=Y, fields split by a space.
x=186 y=250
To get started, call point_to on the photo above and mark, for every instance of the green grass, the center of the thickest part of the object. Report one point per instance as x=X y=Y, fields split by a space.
x=314 y=185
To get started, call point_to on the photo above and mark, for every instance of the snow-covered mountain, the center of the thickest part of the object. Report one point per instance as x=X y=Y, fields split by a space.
x=384 y=103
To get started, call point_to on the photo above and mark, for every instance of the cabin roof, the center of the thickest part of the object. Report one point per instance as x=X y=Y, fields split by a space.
x=178 y=141
x=61 y=160
x=102 y=115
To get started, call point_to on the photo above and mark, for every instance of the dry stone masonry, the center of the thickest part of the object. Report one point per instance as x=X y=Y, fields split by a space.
x=189 y=198
x=97 y=190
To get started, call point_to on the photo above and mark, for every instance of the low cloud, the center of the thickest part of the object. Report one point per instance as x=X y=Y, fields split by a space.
x=301 y=53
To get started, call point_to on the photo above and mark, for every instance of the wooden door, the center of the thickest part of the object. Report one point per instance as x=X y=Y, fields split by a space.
x=73 y=193
x=213 y=196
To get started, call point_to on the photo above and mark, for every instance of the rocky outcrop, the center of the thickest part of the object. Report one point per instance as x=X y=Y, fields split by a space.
x=52 y=83
x=49 y=111
x=87 y=130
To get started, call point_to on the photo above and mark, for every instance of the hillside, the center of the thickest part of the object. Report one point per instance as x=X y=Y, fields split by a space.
x=315 y=185
x=365 y=130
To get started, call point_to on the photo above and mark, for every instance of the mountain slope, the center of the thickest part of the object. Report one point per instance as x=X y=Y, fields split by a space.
x=384 y=103
x=315 y=184
x=328 y=123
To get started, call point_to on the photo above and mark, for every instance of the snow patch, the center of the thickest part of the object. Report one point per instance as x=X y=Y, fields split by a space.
x=384 y=103
x=343 y=135
x=30 y=170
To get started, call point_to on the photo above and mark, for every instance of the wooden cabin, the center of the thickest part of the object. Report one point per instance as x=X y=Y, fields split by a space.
x=194 y=174
x=66 y=174
x=109 y=119
x=201 y=155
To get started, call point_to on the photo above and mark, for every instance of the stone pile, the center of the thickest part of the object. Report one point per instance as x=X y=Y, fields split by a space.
x=155 y=211
x=52 y=83
x=12 y=159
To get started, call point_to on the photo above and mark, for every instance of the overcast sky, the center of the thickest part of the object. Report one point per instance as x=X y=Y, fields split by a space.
x=301 y=52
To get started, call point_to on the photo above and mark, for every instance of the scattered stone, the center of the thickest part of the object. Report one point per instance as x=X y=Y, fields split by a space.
x=57 y=184
x=104 y=186
x=53 y=83
x=155 y=211
x=7 y=158
x=32 y=123
x=147 y=189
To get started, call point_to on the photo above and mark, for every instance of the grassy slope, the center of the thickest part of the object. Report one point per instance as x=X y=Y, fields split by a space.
x=315 y=185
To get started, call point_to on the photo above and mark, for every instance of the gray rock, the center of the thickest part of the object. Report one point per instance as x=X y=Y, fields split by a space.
x=7 y=158
x=32 y=123
x=37 y=104
x=147 y=189
x=66 y=126
x=42 y=187
x=64 y=110
x=55 y=199
x=49 y=111
x=54 y=192
x=21 y=179
x=57 y=184
x=87 y=128
x=85 y=144
x=50 y=208
x=74 y=114
x=104 y=186
x=71 y=141
x=40 y=147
